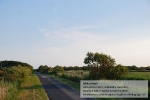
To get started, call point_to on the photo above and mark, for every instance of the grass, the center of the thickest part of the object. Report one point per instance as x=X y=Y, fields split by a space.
x=31 y=89
x=68 y=82
x=81 y=73
x=4 y=87
x=137 y=75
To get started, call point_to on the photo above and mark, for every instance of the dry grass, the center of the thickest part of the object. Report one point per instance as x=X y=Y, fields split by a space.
x=80 y=73
x=4 y=89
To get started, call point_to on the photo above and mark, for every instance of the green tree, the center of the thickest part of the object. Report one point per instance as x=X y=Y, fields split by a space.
x=118 y=71
x=43 y=69
x=133 y=67
x=76 y=68
x=58 y=69
x=102 y=65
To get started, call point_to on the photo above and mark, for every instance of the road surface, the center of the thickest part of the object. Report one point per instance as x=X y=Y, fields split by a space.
x=58 y=91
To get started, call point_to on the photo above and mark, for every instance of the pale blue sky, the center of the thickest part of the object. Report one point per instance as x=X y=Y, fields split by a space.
x=61 y=32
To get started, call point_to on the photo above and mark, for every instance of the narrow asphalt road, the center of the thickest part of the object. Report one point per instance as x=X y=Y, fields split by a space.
x=58 y=91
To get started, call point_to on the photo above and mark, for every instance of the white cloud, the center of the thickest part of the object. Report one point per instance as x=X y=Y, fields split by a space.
x=127 y=52
x=75 y=34
x=73 y=53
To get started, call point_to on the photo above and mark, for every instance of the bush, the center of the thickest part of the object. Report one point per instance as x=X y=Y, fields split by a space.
x=118 y=71
x=57 y=69
x=11 y=78
x=2 y=73
x=17 y=74
x=43 y=69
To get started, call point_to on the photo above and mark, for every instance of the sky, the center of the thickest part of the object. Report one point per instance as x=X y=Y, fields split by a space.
x=61 y=32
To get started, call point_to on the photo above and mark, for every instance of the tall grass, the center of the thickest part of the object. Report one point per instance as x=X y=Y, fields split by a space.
x=75 y=78
x=7 y=90
x=3 y=89
x=82 y=73
x=74 y=75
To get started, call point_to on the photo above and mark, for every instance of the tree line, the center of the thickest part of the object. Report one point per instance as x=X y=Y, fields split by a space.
x=100 y=66
x=7 y=64
x=46 y=69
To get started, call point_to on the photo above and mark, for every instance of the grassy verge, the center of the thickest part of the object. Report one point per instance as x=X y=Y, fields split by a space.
x=68 y=82
x=31 y=89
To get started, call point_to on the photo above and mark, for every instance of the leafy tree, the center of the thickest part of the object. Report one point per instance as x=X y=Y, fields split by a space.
x=148 y=68
x=49 y=69
x=69 y=68
x=43 y=69
x=102 y=66
x=85 y=68
x=133 y=67
x=89 y=59
x=57 y=69
x=76 y=68
x=118 y=71
x=65 y=68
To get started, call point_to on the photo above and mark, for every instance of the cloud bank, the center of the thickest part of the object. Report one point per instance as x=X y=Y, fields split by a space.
x=77 y=42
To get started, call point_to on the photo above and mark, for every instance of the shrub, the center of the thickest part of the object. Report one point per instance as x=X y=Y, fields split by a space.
x=118 y=71
x=11 y=78
x=43 y=69
x=2 y=73
x=18 y=74
x=57 y=69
